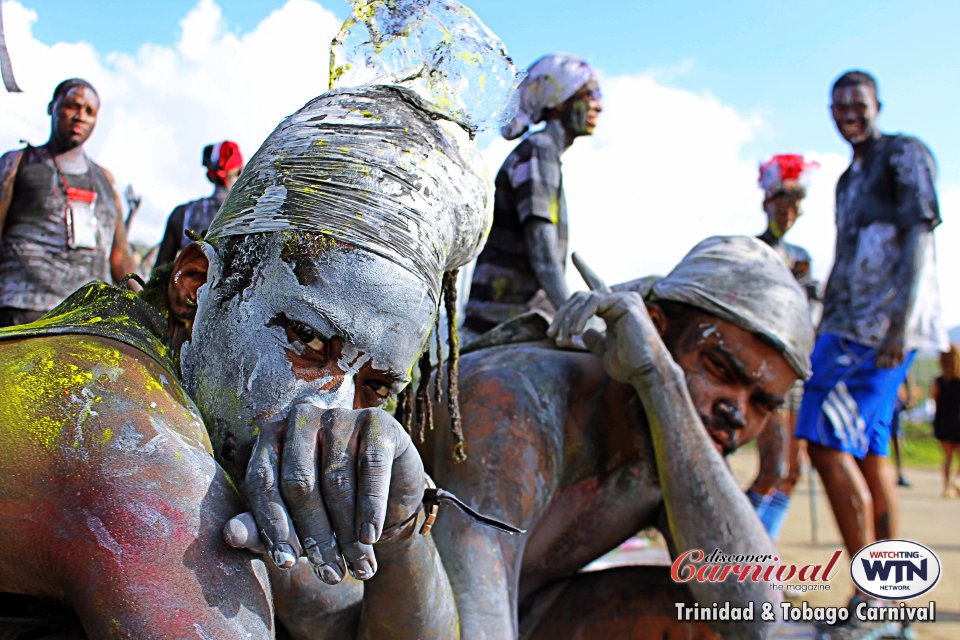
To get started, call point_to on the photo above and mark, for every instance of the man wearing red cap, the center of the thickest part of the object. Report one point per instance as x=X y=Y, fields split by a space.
x=224 y=163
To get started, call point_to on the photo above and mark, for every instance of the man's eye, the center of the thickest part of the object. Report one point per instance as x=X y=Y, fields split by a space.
x=717 y=368
x=380 y=388
x=309 y=337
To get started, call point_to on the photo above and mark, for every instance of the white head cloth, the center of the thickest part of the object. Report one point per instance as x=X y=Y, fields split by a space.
x=382 y=166
x=371 y=167
x=550 y=81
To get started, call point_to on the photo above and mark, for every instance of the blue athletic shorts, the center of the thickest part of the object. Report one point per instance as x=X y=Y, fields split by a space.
x=848 y=403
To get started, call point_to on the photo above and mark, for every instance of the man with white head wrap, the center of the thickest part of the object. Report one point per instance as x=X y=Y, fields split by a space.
x=692 y=366
x=522 y=266
x=282 y=336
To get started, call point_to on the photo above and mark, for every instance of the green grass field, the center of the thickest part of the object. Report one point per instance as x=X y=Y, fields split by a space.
x=918 y=446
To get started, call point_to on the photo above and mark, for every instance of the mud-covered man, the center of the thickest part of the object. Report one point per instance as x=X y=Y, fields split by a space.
x=223 y=163
x=523 y=264
x=598 y=448
x=60 y=215
x=880 y=305
x=784 y=179
x=282 y=335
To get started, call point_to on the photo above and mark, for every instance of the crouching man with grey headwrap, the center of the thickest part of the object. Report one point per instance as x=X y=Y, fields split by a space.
x=601 y=446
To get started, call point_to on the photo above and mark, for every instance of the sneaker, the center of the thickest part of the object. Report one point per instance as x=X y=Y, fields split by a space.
x=903 y=482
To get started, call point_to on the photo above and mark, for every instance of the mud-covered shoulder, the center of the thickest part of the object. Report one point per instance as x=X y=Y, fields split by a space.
x=76 y=391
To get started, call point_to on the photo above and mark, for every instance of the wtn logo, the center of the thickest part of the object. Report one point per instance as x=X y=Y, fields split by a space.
x=903 y=569
x=895 y=569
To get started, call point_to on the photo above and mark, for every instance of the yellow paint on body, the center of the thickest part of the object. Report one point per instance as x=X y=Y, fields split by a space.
x=499 y=286
x=43 y=388
x=554 y=210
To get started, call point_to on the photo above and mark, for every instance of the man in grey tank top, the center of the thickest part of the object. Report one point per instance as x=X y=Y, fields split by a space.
x=60 y=216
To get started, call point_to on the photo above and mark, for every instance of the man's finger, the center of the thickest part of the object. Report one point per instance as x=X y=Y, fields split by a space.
x=263 y=493
x=298 y=484
x=576 y=311
x=376 y=451
x=338 y=486
x=240 y=532
x=595 y=342
x=560 y=320
x=578 y=323
x=589 y=276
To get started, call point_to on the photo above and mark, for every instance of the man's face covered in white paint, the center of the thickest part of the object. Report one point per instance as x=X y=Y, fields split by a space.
x=329 y=325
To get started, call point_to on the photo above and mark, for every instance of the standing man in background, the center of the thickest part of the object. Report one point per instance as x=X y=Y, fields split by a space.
x=60 y=215
x=783 y=179
x=224 y=163
x=881 y=303
x=522 y=265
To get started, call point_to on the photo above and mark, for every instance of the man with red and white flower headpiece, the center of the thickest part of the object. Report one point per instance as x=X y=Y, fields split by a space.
x=784 y=179
x=223 y=162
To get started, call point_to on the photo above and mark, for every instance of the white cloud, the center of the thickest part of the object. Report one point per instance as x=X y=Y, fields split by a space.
x=161 y=105
x=666 y=168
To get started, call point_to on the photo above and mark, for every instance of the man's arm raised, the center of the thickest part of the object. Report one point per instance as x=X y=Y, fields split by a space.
x=705 y=509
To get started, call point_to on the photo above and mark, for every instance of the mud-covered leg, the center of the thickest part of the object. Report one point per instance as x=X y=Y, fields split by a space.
x=615 y=604
x=514 y=445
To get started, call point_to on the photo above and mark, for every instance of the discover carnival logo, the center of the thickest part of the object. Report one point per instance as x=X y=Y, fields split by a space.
x=718 y=566
x=895 y=569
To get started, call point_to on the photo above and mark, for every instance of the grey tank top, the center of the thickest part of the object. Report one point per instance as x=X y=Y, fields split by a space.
x=37 y=267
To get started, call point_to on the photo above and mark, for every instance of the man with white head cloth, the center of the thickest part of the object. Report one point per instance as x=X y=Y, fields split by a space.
x=282 y=336
x=522 y=266
x=598 y=448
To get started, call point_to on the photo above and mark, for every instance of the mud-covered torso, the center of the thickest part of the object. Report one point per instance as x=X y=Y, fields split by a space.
x=879 y=198
x=38 y=269
x=592 y=440
x=608 y=490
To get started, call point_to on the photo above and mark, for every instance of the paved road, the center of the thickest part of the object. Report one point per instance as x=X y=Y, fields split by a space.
x=925 y=517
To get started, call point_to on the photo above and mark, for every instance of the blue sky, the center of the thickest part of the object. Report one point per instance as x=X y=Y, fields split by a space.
x=775 y=57
x=695 y=95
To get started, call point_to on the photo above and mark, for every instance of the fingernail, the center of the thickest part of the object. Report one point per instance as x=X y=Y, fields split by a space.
x=329 y=574
x=283 y=556
x=368 y=534
x=362 y=569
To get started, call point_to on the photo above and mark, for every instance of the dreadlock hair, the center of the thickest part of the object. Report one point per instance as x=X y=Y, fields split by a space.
x=419 y=403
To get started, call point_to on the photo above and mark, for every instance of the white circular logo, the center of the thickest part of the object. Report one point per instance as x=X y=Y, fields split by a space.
x=895 y=569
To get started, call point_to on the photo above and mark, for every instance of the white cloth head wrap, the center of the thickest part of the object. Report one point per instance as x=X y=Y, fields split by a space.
x=382 y=166
x=372 y=167
x=550 y=82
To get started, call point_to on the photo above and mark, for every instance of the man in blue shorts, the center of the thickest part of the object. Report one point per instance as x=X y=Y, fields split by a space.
x=881 y=304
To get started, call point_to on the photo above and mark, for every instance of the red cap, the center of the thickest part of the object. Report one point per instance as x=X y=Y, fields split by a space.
x=221 y=158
